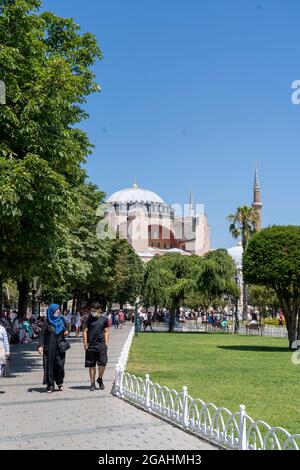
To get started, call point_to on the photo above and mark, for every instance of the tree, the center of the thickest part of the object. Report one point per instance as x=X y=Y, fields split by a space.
x=81 y=256
x=263 y=298
x=272 y=259
x=30 y=219
x=173 y=280
x=243 y=225
x=46 y=66
x=127 y=272
x=216 y=277
x=156 y=280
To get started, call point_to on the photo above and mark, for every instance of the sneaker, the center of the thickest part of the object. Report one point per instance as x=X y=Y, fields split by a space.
x=101 y=384
x=93 y=387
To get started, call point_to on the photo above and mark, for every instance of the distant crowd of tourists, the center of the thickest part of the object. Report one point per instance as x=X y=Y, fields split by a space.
x=20 y=331
x=76 y=322
x=213 y=317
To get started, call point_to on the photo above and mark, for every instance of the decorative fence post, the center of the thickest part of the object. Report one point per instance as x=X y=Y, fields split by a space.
x=243 y=429
x=147 y=394
x=185 y=410
x=120 y=380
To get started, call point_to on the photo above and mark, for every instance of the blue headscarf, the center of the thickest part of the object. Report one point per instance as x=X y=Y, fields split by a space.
x=56 y=322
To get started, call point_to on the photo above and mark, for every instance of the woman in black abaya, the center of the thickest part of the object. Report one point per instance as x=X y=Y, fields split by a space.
x=52 y=336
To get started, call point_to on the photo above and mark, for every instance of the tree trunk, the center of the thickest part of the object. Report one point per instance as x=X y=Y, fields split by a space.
x=291 y=316
x=291 y=328
x=298 y=328
x=1 y=294
x=65 y=306
x=74 y=301
x=34 y=303
x=172 y=320
x=245 y=301
x=155 y=314
x=245 y=287
x=23 y=287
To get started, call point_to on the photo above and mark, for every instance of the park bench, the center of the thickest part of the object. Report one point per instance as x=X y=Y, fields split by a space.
x=218 y=327
x=250 y=328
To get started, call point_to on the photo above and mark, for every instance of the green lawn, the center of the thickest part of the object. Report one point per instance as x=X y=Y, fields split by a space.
x=225 y=370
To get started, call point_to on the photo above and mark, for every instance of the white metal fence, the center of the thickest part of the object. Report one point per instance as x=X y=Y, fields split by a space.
x=273 y=331
x=216 y=425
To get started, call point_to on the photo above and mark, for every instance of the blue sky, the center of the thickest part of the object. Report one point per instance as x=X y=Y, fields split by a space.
x=193 y=93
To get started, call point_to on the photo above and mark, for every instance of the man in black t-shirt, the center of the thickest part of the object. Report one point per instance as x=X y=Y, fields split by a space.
x=95 y=340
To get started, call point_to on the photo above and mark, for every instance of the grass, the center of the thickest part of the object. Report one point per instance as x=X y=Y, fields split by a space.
x=226 y=370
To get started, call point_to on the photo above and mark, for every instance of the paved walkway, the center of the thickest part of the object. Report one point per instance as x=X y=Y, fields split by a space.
x=78 y=418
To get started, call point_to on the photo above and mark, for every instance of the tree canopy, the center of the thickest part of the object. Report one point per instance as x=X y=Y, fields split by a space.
x=173 y=280
x=48 y=210
x=273 y=259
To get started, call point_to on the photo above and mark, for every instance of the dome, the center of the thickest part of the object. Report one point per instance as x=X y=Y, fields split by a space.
x=236 y=254
x=135 y=194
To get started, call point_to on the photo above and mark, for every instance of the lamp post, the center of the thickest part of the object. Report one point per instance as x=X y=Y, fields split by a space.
x=136 y=320
x=236 y=322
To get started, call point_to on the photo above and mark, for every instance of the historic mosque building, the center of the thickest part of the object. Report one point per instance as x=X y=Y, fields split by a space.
x=152 y=226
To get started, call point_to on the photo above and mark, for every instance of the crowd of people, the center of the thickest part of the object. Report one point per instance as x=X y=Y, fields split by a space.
x=20 y=331
x=51 y=330
x=216 y=318
x=24 y=331
x=76 y=322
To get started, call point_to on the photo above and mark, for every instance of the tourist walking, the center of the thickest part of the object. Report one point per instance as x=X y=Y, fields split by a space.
x=109 y=319
x=95 y=340
x=68 y=320
x=121 y=318
x=4 y=350
x=281 y=320
x=53 y=346
x=148 y=321
x=117 y=320
x=77 y=324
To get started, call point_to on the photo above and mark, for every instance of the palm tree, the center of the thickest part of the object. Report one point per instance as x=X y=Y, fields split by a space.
x=243 y=225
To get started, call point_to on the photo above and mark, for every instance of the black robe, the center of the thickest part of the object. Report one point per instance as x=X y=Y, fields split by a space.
x=53 y=360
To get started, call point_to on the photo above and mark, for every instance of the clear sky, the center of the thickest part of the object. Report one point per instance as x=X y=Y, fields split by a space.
x=193 y=93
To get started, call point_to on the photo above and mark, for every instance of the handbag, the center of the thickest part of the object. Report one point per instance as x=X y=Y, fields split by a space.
x=63 y=346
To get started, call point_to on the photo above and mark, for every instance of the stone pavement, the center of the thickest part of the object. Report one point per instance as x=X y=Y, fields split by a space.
x=77 y=418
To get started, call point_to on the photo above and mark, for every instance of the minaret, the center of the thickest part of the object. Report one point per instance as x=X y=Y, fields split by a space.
x=257 y=204
x=191 y=205
x=135 y=185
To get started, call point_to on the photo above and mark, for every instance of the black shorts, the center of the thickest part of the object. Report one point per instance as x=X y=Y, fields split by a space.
x=98 y=357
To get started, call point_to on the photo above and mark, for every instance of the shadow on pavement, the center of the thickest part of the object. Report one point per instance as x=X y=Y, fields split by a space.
x=80 y=387
x=22 y=359
x=39 y=390
x=254 y=348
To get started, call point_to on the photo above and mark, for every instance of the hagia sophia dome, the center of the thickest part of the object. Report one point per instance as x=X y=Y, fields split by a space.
x=236 y=253
x=135 y=194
